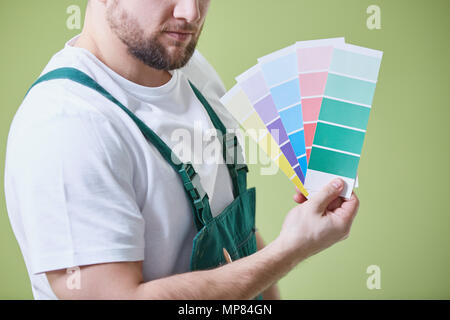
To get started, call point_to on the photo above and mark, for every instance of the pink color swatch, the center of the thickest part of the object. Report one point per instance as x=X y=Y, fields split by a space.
x=311 y=109
x=313 y=84
x=314 y=60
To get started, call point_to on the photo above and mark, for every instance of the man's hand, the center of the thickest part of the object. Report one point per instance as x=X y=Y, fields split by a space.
x=319 y=222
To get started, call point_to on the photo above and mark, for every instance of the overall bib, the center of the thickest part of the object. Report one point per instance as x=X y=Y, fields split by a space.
x=234 y=228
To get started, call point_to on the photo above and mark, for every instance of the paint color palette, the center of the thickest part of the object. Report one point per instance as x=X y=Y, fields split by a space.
x=343 y=117
x=240 y=107
x=314 y=98
x=253 y=84
x=281 y=76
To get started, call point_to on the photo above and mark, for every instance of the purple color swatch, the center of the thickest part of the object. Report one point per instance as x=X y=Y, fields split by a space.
x=278 y=131
x=289 y=153
x=255 y=87
x=298 y=171
x=266 y=109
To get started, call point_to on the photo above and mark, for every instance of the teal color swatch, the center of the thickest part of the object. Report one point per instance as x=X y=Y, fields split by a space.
x=336 y=163
x=339 y=138
x=344 y=113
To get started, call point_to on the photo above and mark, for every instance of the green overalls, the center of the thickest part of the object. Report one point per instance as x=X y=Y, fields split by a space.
x=234 y=228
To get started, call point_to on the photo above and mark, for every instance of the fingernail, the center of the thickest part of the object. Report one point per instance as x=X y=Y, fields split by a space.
x=338 y=184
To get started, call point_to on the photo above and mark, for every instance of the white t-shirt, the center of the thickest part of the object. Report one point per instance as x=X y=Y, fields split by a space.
x=83 y=186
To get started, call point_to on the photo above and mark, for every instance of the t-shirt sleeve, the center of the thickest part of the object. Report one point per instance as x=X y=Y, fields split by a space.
x=72 y=175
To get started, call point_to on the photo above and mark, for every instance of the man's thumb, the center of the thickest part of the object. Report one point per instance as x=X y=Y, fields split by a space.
x=330 y=192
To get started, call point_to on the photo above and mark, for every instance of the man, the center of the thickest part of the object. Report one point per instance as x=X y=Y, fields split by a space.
x=85 y=189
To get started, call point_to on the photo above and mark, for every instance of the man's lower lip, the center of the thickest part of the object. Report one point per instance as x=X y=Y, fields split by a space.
x=179 y=36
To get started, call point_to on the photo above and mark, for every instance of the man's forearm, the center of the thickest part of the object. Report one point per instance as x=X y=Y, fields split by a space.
x=273 y=292
x=242 y=279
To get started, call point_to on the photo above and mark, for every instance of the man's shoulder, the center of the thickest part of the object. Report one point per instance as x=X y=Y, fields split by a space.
x=56 y=100
x=203 y=75
x=60 y=98
x=207 y=80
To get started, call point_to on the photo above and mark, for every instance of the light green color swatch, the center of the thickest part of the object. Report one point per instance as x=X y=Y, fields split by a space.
x=349 y=89
x=356 y=65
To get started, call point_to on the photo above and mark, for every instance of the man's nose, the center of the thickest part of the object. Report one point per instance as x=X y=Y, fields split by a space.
x=188 y=10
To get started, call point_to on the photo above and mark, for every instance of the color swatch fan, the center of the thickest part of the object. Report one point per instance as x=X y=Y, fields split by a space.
x=313 y=100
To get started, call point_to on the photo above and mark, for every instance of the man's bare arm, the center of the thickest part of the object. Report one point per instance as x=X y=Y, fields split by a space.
x=242 y=279
x=273 y=292
x=308 y=228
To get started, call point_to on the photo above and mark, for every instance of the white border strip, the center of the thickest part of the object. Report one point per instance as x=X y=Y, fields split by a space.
x=336 y=150
x=313 y=71
x=348 y=101
x=248 y=115
x=316 y=180
x=277 y=54
x=360 y=50
x=266 y=132
x=320 y=43
x=341 y=125
x=272 y=121
x=283 y=82
x=260 y=98
x=295 y=131
x=249 y=73
x=291 y=106
x=285 y=143
x=278 y=156
x=352 y=77
x=312 y=97
x=230 y=94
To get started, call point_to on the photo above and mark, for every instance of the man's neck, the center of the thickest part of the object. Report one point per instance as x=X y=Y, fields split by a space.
x=113 y=53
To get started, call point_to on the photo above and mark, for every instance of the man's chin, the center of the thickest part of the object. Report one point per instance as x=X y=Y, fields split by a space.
x=179 y=58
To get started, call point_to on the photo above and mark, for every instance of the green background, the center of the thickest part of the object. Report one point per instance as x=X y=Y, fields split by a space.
x=403 y=222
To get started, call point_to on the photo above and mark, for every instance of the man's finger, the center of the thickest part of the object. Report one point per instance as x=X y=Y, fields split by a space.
x=330 y=192
x=299 y=197
x=350 y=207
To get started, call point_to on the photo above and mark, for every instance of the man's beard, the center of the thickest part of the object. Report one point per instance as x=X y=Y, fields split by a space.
x=148 y=50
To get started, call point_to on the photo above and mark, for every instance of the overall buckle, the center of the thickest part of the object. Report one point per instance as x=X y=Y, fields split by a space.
x=234 y=152
x=191 y=181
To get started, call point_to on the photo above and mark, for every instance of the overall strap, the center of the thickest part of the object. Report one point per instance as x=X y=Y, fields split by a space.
x=191 y=181
x=232 y=151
